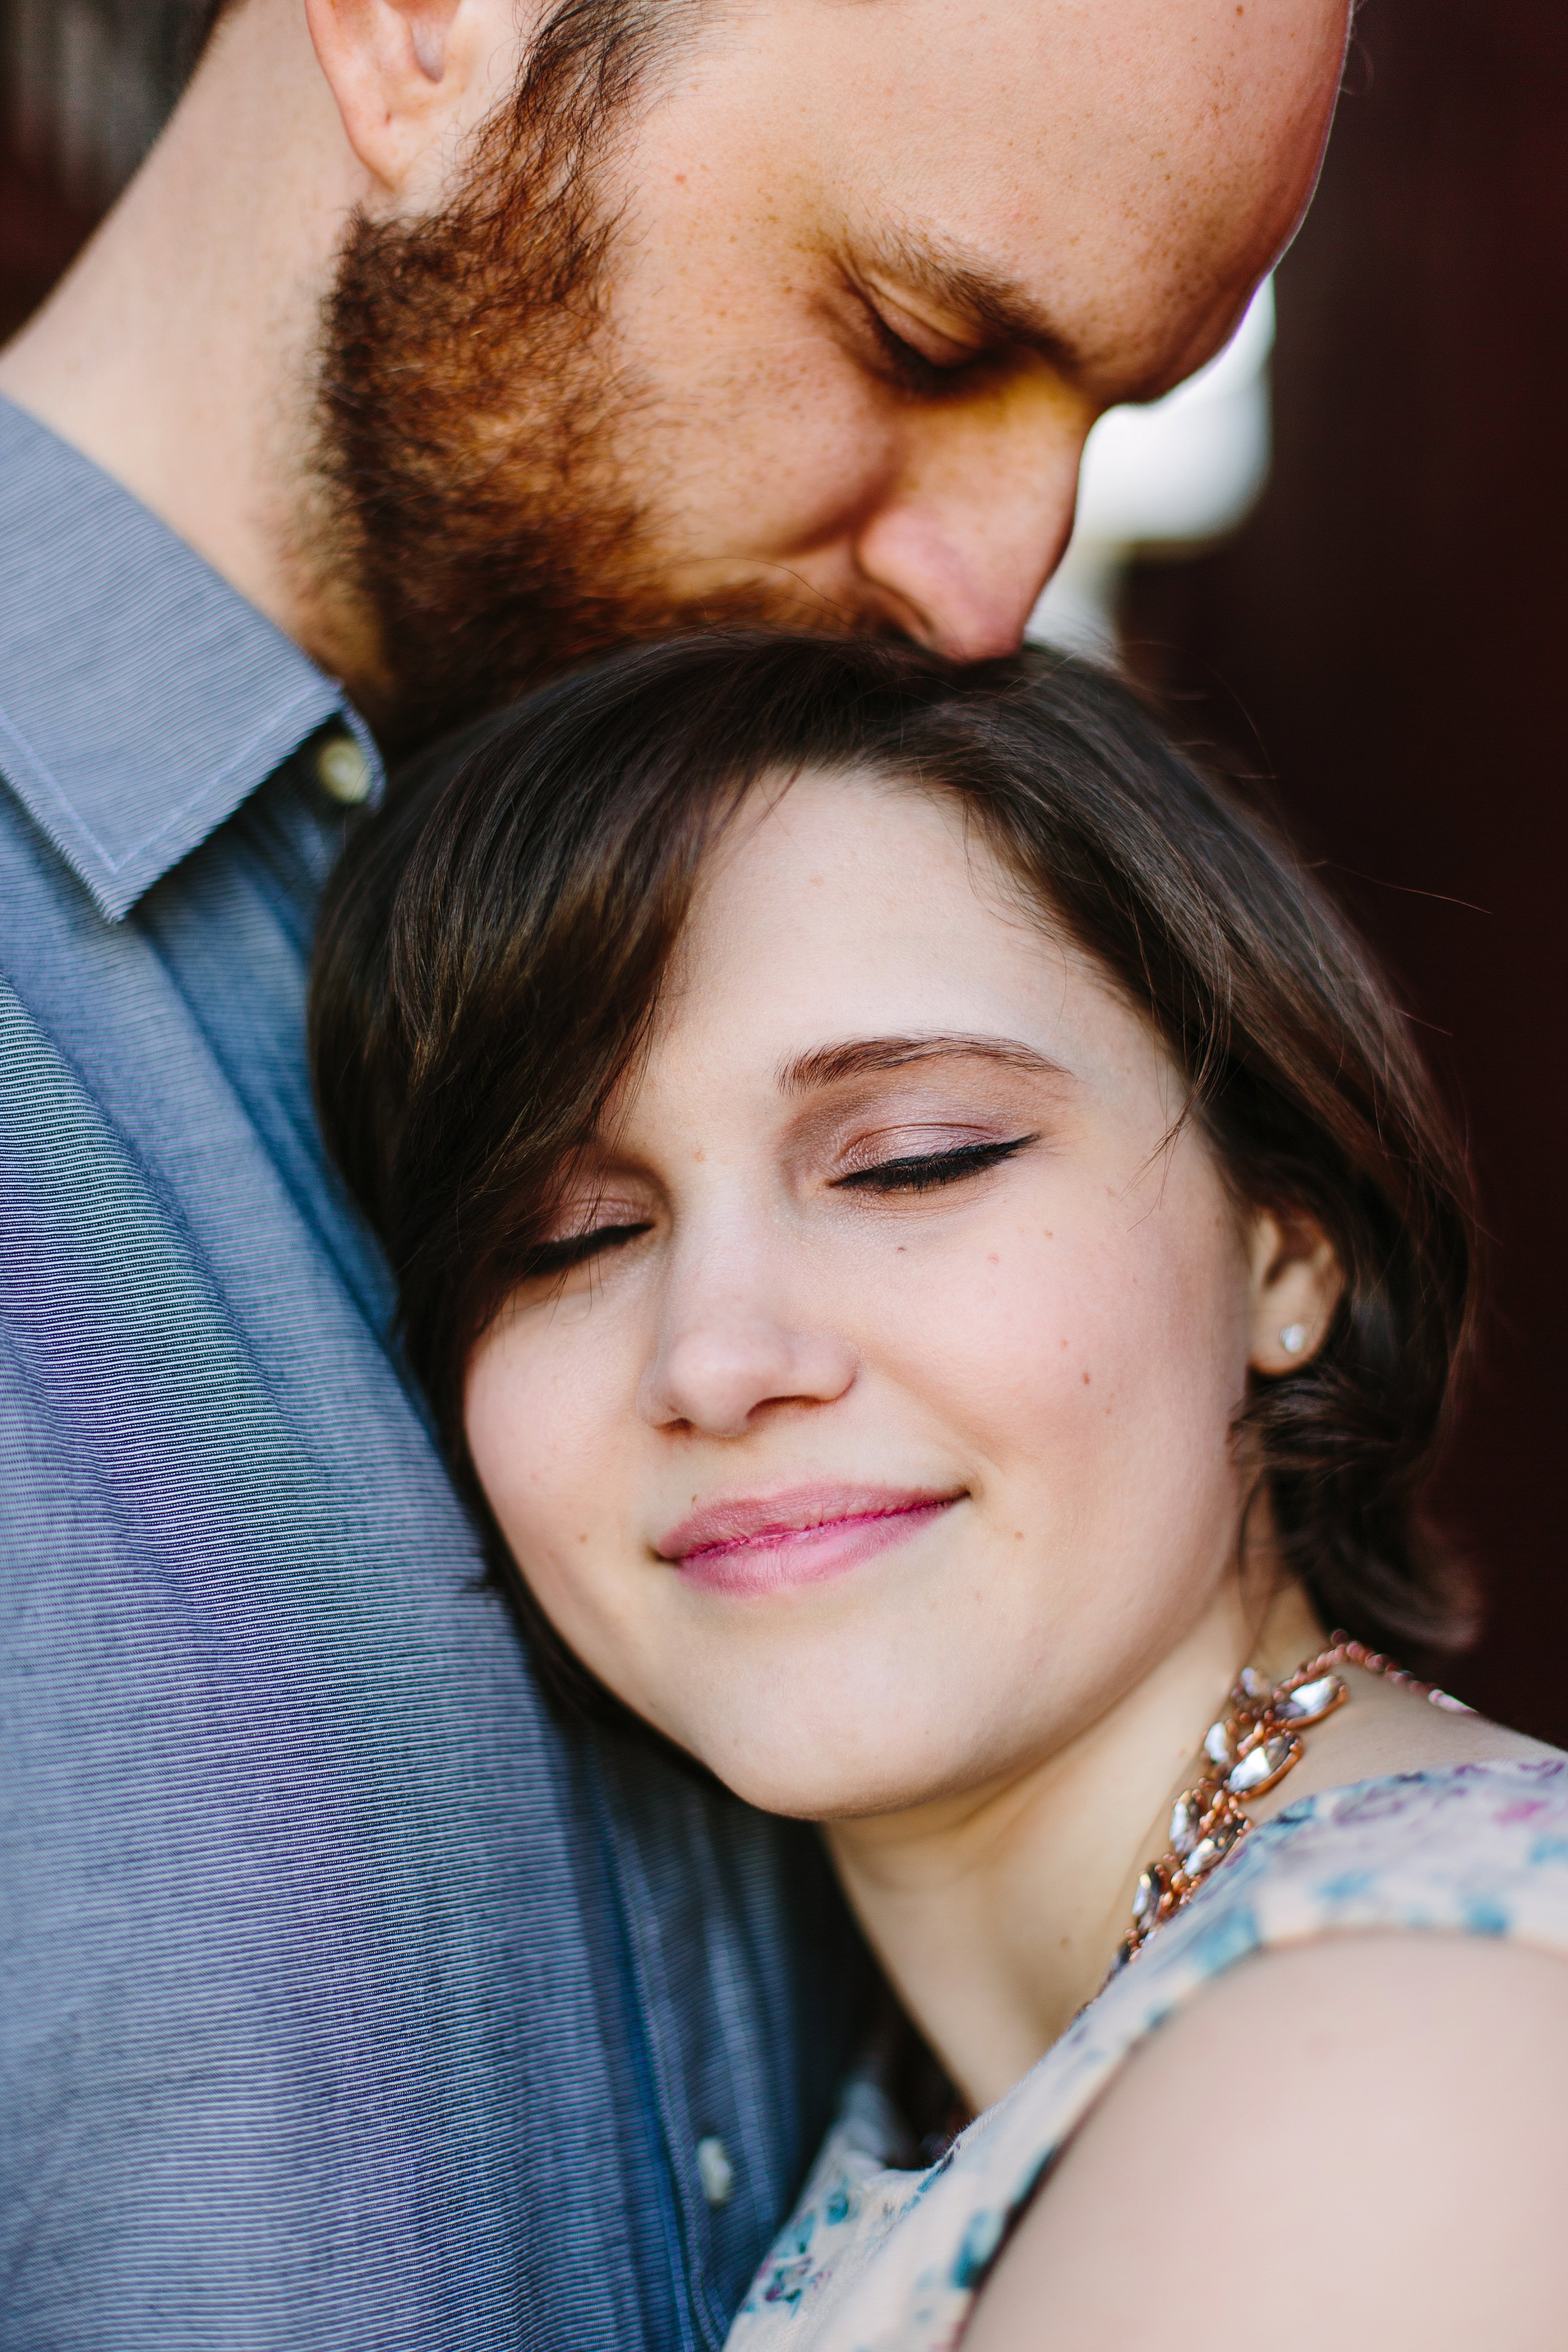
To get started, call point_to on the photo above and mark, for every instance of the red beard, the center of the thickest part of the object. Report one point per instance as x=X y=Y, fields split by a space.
x=478 y=438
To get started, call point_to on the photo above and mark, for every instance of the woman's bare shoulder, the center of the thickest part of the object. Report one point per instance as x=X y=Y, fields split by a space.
x=1365 y=2135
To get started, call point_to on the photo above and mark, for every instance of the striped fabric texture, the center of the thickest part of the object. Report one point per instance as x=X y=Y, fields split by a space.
x=346 y=1998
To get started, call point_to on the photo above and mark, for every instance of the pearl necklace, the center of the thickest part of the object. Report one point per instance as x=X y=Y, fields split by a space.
x=1248 y=1751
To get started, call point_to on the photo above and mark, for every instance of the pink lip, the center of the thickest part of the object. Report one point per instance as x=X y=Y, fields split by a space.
x=766 y=1543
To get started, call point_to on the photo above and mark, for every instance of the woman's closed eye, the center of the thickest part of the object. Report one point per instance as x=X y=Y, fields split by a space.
x=924 y=1171
x=602 y=1228
x=569 y=1250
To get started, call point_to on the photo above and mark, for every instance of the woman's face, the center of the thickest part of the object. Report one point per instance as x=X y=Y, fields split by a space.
x=878 y=1438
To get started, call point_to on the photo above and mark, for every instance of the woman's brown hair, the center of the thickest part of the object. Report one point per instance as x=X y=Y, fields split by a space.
x=492 y=947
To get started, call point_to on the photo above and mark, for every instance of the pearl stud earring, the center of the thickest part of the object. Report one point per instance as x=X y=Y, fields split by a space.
x=1293 y=1339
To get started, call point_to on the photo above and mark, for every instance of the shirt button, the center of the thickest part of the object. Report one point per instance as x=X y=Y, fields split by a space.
x=715 y=2171
x=343 y=771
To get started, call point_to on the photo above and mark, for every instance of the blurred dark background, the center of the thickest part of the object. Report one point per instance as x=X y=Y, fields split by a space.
x=1387 y=638
x=1384 y=639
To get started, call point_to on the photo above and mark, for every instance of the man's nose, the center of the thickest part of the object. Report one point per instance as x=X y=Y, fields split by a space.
x=977 y=520
x=725 y=1350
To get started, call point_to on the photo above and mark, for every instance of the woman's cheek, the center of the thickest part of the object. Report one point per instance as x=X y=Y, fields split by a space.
x=1073 y=1351
x=1028 y=1339
x=538 y=1445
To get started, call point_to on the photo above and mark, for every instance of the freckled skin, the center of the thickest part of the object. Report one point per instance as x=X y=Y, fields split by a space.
x=1138 y=211
x=807 y=422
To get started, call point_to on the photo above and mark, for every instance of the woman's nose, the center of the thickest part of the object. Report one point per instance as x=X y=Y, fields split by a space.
x=719 y=1364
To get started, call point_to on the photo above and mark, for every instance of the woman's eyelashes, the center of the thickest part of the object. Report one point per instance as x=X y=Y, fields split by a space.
x=572 y=1250
x=925 y=1171
x=601 y=1231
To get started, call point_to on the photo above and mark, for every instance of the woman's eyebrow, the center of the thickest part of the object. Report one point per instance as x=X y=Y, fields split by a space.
x=827 y=1065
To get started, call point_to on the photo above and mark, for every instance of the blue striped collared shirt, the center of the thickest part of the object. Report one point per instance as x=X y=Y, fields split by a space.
x=346 y=1999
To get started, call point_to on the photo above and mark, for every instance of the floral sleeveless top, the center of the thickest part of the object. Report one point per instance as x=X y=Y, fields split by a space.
x=877 y=2259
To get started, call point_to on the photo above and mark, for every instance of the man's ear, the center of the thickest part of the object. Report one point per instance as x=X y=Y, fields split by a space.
x=412 y=76
x=1296 y=1280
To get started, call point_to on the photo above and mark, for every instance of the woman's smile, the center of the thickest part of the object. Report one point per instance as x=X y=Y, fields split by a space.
x=962 y=1271
x=757 y=1544
x=892 y=1184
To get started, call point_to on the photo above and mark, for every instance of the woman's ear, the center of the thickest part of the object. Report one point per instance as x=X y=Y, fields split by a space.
x=1296 y=1280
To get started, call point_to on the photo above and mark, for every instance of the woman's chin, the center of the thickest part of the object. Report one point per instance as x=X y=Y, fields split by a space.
x=834 y=1781
x=839 y=1736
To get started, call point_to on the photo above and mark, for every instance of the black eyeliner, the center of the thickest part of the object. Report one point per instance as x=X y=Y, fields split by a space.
x=930 y=1169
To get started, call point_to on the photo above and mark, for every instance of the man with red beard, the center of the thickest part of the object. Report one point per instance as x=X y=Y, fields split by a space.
x=352 y=1995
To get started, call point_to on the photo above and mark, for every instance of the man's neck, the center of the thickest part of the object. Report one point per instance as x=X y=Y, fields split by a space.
x=177 y=352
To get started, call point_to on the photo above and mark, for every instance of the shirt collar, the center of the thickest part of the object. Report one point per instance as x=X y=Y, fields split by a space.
x=142 y=698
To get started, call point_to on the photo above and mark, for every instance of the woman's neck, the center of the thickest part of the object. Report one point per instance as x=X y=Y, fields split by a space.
x=996 y=1913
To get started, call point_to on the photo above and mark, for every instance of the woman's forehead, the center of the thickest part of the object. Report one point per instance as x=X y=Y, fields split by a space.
x=851 y=908
x=828 y=856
